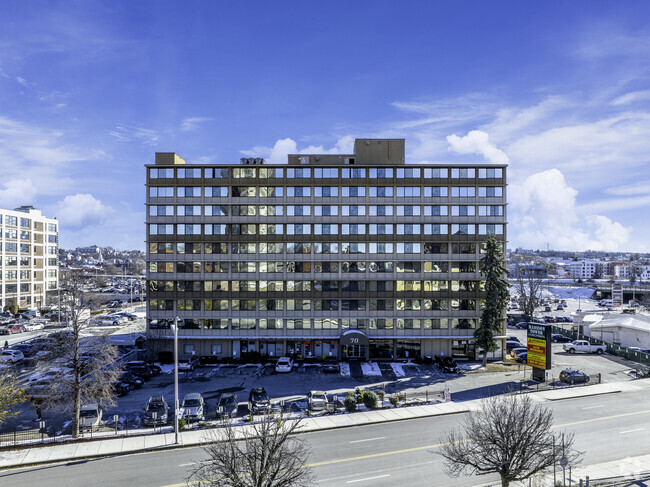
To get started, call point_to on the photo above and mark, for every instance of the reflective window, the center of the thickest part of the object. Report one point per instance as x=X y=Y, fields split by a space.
x=463 y=191
x=436 y=229
x=381 y=192
x=381 y=248
x=463 y=210
x=156 y=210
x=353 y=191
x=408 y=191
x=216 y=210
x=244 y=191
x=490 y=191
x=326 y=191
x=326 y=172
x=186 y=210
x=381 y=229
x=216 y=191
x=436 y=191
x=188 y=191
x=408 y=173
x=216 y=173
x=300 y=172
x=463 y=229
x=353 y=172
x=408 y=229
x=490 y=228
x=463 y=172
x=408 y=210
x=299 y=210
x=492 y=210
x=244 y=172
x=160 y=192
x=166 y=173
x=489 y=173
x=326 y=229
x=381 y=210
x=381 y=172
x=189 y=172
x=436 y=172
x=435 y=210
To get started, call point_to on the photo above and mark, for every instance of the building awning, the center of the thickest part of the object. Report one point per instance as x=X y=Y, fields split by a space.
x=353 y=337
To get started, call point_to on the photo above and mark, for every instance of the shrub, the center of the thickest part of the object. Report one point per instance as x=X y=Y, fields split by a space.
x=380 y=396
x=182 y=422
x=350 y=403
x=370 y=399
x=393 y=400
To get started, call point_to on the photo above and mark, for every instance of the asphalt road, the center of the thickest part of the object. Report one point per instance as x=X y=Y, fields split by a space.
x=607 y=427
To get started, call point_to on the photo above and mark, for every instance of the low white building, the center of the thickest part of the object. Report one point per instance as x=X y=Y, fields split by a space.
x=621 y=329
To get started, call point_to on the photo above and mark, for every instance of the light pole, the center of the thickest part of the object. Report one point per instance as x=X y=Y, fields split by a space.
x=176 y=380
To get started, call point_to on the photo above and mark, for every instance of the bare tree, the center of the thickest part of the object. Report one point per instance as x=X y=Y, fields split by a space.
x=10 y=394
x=528 y=288
x=88 y=364
x=262 y=454
x=509 y=436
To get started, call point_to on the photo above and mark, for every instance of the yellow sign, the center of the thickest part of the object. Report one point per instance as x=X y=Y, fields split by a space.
x=536 y=353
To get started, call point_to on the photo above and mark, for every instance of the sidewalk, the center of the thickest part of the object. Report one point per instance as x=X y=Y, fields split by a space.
x=117 y=446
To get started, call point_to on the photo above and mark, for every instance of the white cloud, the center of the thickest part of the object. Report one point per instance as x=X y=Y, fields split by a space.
x=17 y=192
x=543 y=210
x=639 y=187
x=278 y=153
x=21 y=81
x=127 y=133
x=632 y=97
x=82 y=209
x=477 y=142
x=192 y=123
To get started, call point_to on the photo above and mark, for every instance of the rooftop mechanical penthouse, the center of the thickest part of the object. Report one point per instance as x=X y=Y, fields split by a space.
x=357 y=255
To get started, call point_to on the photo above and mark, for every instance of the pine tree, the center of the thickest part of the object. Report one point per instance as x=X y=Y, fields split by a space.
x=492 y=266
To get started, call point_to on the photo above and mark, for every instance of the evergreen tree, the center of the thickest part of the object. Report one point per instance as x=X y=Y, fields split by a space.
x=493 y=267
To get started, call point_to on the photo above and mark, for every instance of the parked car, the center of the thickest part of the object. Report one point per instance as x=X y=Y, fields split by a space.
x=25 y=348
x=522 y=357
x=156 y=411
x=331 y=364
x=188 y=363
x=110 y=320
x=317 y=401
x=515 y=352
x=547 y=309
x=559 y=338
x=131 y=379
x=284 y=364
x=34 y=325
x=583 y=346
x=193 y=407
x=139 y=368
x=154 y=368
x=510 y=344
x=227 y=405
x=17 y=328
x=90 y=417
x=121 y=388
x=259 y=401
x=12 y=356
x=572 y=376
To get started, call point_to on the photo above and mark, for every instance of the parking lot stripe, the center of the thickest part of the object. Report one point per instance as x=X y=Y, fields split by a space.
x=369 y=439
x=368 y=478
x=631 y=431
x=594 y=407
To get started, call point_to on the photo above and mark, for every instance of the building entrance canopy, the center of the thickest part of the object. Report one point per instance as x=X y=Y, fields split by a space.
x=353 y=337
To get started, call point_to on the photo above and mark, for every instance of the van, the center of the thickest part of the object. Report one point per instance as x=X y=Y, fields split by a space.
x=606 y=303
x=90 y=417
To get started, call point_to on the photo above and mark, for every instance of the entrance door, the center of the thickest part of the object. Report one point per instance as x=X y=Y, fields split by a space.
x=354 y=351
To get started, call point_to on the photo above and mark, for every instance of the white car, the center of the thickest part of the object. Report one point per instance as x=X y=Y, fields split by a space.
x=110 y=320
x=317 y=401
x=33 y=326
x=284 y=364
x=12 y=356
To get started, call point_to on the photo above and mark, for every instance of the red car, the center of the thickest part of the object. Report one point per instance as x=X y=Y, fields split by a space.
x=16 y=328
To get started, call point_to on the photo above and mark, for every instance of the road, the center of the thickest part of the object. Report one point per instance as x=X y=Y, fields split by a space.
x=607 y=427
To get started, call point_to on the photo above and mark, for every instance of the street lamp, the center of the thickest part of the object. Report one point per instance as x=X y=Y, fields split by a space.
x=175 y=327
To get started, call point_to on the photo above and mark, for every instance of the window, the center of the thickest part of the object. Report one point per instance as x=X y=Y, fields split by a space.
x=434 y=266
x=216 y=191
x=271 y=210
x=216 y=248
x=167 y=173
x=463 y=191
x=326 y=210
x=381 y=229
x=156 y=210
x=301 y=172
x=298 y=229
x=299 y=210
x=381 y=210
x=298 y=248
x=213 y=267
x=188 y=248
x=408 y=191
x=243 y=266
x=188 y=191
x=188 y=349
x=326 y=229
x=408 y=173
x=188 y=267
x=215 y=286
x=408 y=210
x=244 y=172
x=490 y=173
x=188 y=229
x=408 y=229
x=435 y=210
x=320 y=173
x=353 y=248
x=243 y=248
x=355 y=172
x=457 y=173
x=353 y=191
x=381 y=192
x=463 y=210
x=490 y=192
x=326 y=248
x=161 y=191
x=215 y=229
x=270 y=172
x=214 y=173
x=436 y=191
x=193 y=172
x=487 y=229
x=271 y=248
x=408 y=248
x=439 y=173
x=271 y=229
x=51 y=227
x=216 y=210
x=298 y=191
x=215 y=304
x=353 y=210
x=326 y=191
x=244 y=191
x=381 y=248
x=161 y=267
x=492 y=210
x=189 y=210
x=161 y=229
x=24 y=223
x=271 y=191
x=463 y=229
x=353 y=229
x=381 y=173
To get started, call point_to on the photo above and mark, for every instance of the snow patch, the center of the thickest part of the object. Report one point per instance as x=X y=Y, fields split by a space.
x=398 y=369
x=370 y=369
x=344 y=368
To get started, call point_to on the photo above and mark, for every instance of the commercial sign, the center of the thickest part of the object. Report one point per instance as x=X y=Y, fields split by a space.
x=617 y=295
x=539 y=346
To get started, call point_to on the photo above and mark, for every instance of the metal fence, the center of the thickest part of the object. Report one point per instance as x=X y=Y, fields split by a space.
x=612 y=348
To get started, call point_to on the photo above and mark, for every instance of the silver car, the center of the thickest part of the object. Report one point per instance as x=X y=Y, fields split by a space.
x=193 y=407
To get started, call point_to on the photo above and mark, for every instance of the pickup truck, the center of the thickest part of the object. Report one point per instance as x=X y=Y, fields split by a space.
x=583 y=346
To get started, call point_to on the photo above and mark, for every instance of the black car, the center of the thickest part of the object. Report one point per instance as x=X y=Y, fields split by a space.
x=259 y=401
x=140 y=369
x=330 y=364
x=227 y=405
x=572 y=376
x=131 y=379
x=154 y=368
x=121 y=388
x=156 y=411
x=559 y=338
x=522 y=357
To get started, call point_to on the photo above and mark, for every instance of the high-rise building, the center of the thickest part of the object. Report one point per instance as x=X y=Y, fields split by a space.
x=29 y=257
x=357 y=255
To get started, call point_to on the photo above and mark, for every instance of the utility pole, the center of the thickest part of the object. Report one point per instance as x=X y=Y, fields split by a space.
x=176 y=380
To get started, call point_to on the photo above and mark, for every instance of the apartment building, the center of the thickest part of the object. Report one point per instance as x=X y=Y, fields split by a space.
x=28 y=257
x=357 y=255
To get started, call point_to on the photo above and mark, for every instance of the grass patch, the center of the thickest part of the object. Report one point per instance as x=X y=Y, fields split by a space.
x=495 y=367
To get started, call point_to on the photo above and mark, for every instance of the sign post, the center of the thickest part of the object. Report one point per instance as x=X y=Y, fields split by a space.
x=539 y=349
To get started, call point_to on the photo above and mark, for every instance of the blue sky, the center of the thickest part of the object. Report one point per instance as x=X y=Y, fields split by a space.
x=90 y=90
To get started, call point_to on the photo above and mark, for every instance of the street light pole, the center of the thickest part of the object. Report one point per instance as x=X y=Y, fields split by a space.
x=176 y=380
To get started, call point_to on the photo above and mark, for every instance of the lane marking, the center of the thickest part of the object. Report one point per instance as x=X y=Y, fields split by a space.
x=369 y=439
x=631 y=431
x=594 y=407
x=367 y=478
